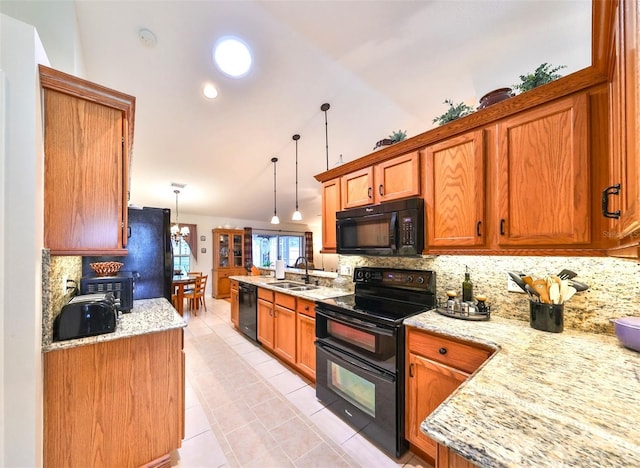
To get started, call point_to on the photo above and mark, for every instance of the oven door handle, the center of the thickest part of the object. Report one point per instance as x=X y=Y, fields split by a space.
x=356 y=363
x=353 y=322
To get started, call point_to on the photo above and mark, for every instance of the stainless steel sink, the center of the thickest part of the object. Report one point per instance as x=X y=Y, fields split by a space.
x=294 y=286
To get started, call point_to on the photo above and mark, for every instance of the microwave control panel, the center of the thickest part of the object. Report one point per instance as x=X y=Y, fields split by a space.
x=407 y=231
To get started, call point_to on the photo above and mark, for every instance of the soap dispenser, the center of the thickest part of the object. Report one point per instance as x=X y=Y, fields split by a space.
x=467 y=286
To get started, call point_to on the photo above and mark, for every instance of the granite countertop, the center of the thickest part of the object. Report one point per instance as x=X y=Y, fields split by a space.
x=542 y=399
x=146 y=316
x=268 y=282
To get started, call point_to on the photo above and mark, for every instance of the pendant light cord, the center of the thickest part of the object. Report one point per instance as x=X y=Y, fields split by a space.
x=274 y=161
x=296 y=137
x=325 y=107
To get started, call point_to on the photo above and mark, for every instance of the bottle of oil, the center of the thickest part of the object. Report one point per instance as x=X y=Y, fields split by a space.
x=467 y=286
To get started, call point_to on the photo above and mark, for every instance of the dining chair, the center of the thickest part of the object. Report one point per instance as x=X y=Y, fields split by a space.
x=194 y=273
x=196 y=297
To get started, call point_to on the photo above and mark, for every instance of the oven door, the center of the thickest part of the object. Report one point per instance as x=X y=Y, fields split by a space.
x=361 y=394
x=370 y=342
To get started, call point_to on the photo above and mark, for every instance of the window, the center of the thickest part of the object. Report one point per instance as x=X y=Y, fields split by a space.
x=267 y=248
x=181 y=256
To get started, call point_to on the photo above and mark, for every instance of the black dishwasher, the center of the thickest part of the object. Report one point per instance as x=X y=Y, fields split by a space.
x=248 y=310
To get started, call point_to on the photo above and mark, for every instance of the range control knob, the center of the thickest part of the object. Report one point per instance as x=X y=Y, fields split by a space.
x=420 y=280
x=367 y=274
x=359 y=274
x=409 y=279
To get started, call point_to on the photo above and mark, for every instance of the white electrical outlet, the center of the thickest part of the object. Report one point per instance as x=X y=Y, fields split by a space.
x=345 y=269
x=512 y=286
x=65 y=278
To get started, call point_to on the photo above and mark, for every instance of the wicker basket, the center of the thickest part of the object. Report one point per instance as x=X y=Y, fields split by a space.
x=106 y=268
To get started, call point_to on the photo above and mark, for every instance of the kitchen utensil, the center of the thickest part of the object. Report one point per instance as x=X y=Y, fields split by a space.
x=554 y=293
x=528 y=280
x=628 y=331
x=540 y=286
x=532 y=292
x=564 y=290
x=569 y=294
x=567 y=274
x=578 y=285
x=517 y=279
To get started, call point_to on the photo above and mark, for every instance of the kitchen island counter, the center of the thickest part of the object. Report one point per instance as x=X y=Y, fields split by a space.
x=542 y=399
x=146 y=316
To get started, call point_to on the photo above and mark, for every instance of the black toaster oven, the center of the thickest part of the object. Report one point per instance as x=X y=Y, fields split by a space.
x=120 y=285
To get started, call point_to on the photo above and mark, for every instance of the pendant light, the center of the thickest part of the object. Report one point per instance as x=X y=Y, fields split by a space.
x=178 y=233
x=325 y=107
x=297 y=216
x=274 y=219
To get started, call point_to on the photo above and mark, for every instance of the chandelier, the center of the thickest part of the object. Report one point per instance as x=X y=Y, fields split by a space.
x=178 y=233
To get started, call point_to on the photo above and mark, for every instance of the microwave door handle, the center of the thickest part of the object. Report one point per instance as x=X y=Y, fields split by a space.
x=393 y=230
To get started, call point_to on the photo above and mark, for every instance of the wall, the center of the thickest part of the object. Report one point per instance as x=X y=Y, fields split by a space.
x=22 y=198
x=614 y=284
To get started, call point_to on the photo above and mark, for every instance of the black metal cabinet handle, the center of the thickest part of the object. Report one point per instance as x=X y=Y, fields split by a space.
x=502 y=227
x=612 y=190
x=380 y=191
x=442 y=350
x=478 y=224
x=369 y=192
x=411 y=370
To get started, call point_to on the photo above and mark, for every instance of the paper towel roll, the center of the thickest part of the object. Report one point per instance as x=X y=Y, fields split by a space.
x=279 y=269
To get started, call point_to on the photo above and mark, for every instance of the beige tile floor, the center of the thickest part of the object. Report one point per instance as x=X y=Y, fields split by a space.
x=245 y=409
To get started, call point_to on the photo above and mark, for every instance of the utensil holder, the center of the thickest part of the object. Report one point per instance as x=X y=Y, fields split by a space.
x=546 y=317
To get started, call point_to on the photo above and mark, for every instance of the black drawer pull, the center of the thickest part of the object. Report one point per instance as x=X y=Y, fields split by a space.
x=478 y=224
x=442 y=350
x=502 y=227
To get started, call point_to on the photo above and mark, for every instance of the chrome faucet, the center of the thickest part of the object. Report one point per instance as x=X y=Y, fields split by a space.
x=307 y=280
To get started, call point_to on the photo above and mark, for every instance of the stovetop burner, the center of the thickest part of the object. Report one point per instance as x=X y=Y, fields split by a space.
x=387 y=295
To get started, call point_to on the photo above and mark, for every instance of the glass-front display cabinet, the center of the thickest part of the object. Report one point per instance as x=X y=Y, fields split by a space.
x=228 y=260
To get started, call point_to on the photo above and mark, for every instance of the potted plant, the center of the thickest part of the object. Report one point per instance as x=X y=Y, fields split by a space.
x=395 y=137
x=454 y=112
x=545 y=73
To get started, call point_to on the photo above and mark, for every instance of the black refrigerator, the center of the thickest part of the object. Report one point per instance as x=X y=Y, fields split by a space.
x=150 y=257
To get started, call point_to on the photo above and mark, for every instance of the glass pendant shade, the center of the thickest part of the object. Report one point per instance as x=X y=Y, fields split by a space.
x=297 y=216
x=275 y=219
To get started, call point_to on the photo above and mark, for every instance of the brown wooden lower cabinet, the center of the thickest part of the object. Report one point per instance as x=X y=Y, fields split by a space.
x=447 y=458
x=235 y=303
x=436 y=366
x=306 y=336
x=115 y=403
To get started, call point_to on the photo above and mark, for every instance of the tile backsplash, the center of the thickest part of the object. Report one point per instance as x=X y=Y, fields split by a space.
x=614 y=284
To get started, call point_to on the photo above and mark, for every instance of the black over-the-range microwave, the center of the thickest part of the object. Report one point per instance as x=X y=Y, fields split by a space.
x=391 y=228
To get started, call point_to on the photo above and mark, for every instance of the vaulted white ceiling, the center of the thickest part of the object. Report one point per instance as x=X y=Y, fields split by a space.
x=382 y=65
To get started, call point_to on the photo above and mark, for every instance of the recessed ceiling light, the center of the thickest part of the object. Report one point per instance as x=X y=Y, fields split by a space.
x=147 y=37
x=210 y=91
x=232 y=56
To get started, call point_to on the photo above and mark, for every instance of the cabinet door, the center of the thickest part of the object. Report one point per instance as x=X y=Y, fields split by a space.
x=454 y=191
x=306 y=336
x=285 y=334
x=428 y=385
x=543 y=181
x=85 y=186
x=223 y=250
x=357 y=188
x=626 y=102
x=235 y=304
x=397 y=178
x=265 y=323
x=330 y=205
x=236 y=251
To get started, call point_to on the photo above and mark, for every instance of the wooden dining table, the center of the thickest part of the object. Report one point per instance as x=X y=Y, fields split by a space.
x=180 y=282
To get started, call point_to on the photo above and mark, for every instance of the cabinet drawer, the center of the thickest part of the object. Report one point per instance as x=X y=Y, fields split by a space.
x=306 y=307
x=462 y=356
x=285 y=300
x=265 y=294
x=234 y=284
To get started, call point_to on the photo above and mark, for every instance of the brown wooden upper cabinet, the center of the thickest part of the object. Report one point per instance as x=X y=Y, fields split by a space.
x=330 y=205
x=454 y=190
x=388 y=180
x=543 y=182
x=622 y=194
x=88 y=132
